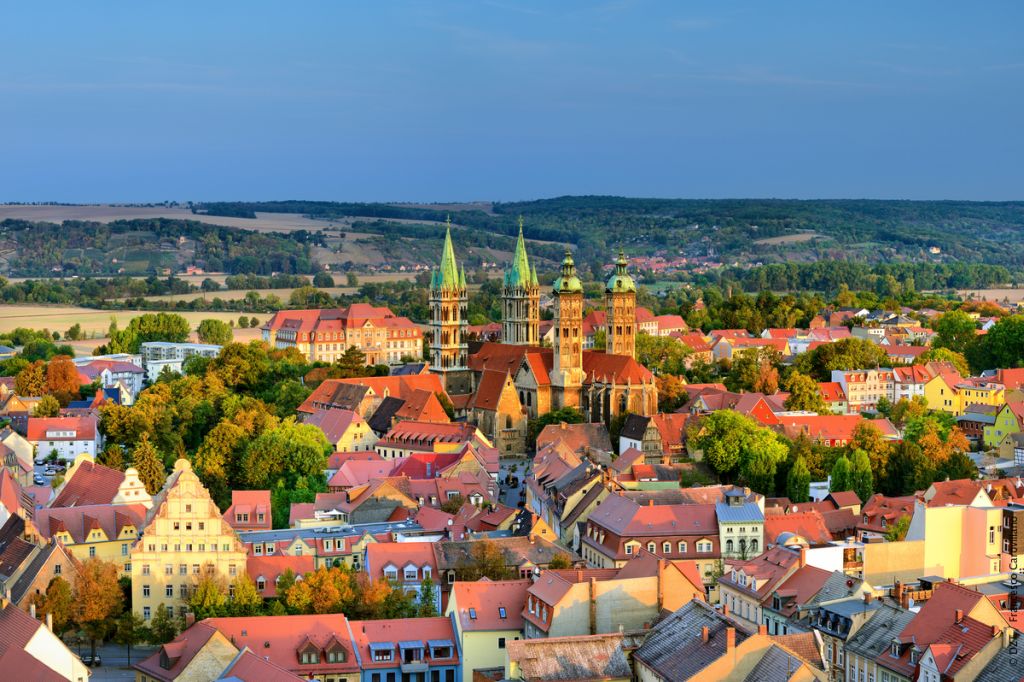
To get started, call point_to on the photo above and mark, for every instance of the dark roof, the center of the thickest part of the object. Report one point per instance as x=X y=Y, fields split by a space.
x=634 y=427
x=675 y=649
x=408 y=368
x=180 y=651
x=776 y=664
x=1005 y=665
x=28 y=576
x=875 y=636
x=13 y=550
x=380 y=421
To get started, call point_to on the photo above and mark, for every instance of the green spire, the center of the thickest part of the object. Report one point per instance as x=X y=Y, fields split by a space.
x=620 y=280
x=462 y=277
x=448 y=275
x=568 y=282
x=533 y=277
x=519 y=273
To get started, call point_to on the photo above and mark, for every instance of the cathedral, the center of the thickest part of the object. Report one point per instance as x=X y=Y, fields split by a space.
x=500 y=386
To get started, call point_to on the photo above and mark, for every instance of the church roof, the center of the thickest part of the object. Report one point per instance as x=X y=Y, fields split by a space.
x=448 y=275
x=568 y=282
x=520 y=274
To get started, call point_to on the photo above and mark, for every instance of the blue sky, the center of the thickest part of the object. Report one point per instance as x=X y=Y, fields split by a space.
x=495 y=99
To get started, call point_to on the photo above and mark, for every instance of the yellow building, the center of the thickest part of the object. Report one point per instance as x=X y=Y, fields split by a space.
x=941 y=393
x=977 y=392
x=959 y=540
x=185 y=538
x=487 y=615
x=103 y=531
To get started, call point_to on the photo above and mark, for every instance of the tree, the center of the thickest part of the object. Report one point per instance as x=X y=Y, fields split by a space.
x=841 y=475
x=453 y=504
x=309 y=297
x=351 y=279
x=131 y=629
x=946 y=355
x=446 y=404
x=209 y=598
x=661 y=354
x=845 y=354
x=1002 y=346
x=955 y=330
x=163 y=628
x=62 y=379
x=569 y=415
x=958 y=466
x=59 y=602
x=560 y=561
x=904 y=410
x=671 y=392
x=798 y=482
x=907 y=470
x=288 y=450
x=323 y=280
x=209 y=285
x=243 y=322
x=74 y=333
x=484 y=559
x=149 y=464
x=729 y=441
x=215 y=332
x=861 y=480
x=98 y=598
x=425 y=602
x=148 y=327
x=868 y=438
x=284 y=583
x=253 y=322
x=246 y=599
x=897 y=532
x=31 y=381
x=759 y=472
x=754 y=370
x=48 y=406
x=113 y=457
x=804 y=394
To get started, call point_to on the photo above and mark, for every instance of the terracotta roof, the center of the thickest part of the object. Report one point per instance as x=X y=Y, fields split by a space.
x=958 y=491
x=300 y=511
x=783 y=333
x=845 y=498
x=1012 y=379
x=620 y=369
x=390 y=633
x=481 y=603
x=179 y=653
x=280 y=638
x=768 y=569
x=422 y=405
x=84 y=428
x=358 y=472
x=800 y=587
x=335 y=460
x=253 y=503
x=17 y=629
x=79 y=521
x=831 y=391
x=807 y=524
x=803 y=644
x=488 y=391
x=269 y=568
x=626 y=518
x=938 y=612
x=401 y=386
x=91 y=484
x=334 y=423
x=249 y=666
x=832 y=427
x=577 y=437
x=400 y=554
x=880 y=507
x=695 y=341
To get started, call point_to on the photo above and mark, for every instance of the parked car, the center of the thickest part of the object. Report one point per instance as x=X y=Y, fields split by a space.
x=38 y=480
x=40 y=461
x=50 y=471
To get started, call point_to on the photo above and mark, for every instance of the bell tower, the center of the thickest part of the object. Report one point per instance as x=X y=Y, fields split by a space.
x=620 y=304
x=567 y=372
x=520 y=299
x=448 y=315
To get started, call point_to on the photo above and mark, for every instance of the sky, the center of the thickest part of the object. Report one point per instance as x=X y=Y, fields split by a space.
x=503 y=100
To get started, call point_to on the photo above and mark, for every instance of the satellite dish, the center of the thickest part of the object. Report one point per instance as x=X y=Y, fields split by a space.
x=849 y=582
x=910 y=602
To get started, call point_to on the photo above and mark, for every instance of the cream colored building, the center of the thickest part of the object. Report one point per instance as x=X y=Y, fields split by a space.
x=185 y=538
x=487 y=615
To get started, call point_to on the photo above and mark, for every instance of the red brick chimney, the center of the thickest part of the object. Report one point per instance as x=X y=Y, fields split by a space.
x=725 y=609
x=762 y=629
x=959 y=616
x=868 y=597
x=705 y=634
x=730 y=639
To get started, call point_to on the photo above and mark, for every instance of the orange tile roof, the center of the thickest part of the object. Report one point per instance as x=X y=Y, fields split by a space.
x=486 y=598
x=400 y=554
x=959 y=491
x=397 y=630
x=401 y=386
x=488 y=391
x=832 y=391
x=253 y=503
x=91 y=483
x=84 y=428
x=78 y=521
x=269 y=568
x=807 y=524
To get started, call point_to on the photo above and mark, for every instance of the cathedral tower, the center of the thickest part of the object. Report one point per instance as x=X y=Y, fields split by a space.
x=620 y=304
x=567 y=372
x=520 y=299
x=448 y=315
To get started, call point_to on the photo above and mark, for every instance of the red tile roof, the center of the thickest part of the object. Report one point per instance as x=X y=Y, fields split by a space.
x=695 y=341
x=807 y=524
x=84 y=428
x=400 y=554
x=358 y=472
x=393 y=631
x=880 y=507
x=939 y=611
x=78 y=521
x=253 y=503
x=486 y=598
x=335 y=423
x=488 y=391
x=269 y=568
x=800 y=587
x=959 y=491
x=179 y=653
x=401 y=386
x=832 y=391
x=249 y=666
x=91 y=483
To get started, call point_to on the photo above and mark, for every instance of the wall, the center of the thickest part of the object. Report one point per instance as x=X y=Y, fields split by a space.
x=888 y=561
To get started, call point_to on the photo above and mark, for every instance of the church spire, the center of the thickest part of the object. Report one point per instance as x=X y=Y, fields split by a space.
x=519 y=273
x=448 y=274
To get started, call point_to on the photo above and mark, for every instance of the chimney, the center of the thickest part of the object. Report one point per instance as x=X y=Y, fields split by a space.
x=650 y=502
x=49 y=622
x=32 y=610
x=1007 y=637
x=762 y=629
x=959 y=616
x=730 y=639
x=190 y=619
x=705 y=634
x=725 y=609
x=803 y=556
x=868 y=597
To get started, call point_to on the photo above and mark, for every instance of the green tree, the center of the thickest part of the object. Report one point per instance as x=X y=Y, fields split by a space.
x=48 y=406
x=131 y=629
x=729 y=441
x=485 y=559
x=323 y=280
x=897 y=532
x=868 y=438
x=560 y=561
x=253 y=322
x=351 y=279
x=798 y=483
x=946 y=355
x=352 y=363
x=215 y=332
x=958 y=466
x=113 y=457
x=150 y=465
x=841 y=475
x=243 y=322
x=1002 y=346
x=74 y=333
x=209 y=598
x=759 y=472
x=661 y=354
x=298 y=450
x=904 y=410
x=163 y=629
x=955 y=330
x=144 y=328
x=309 y=297
x=246 y=599
x=845 y=354
x=804 y=394
x=861 y=479
x=425 y=605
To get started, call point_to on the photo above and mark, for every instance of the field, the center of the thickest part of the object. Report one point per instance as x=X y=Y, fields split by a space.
x=96 y=322
x=992 y=294
x=789 y=238
x=101 y=213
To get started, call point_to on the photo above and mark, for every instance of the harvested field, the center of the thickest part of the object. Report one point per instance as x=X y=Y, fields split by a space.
x=997 y=295
x=101 y=213
x=789 y=238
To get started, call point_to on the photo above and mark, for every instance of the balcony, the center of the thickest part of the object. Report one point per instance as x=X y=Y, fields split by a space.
x=415 y=667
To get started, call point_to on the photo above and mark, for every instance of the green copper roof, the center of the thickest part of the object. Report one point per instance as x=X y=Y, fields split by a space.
x=568 y=282
x=533 y=277
x=519 y=273
x=447 y=276
x=620 y=279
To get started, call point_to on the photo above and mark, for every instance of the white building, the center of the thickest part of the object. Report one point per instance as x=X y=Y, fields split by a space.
x=69 y=436
x=159 y=354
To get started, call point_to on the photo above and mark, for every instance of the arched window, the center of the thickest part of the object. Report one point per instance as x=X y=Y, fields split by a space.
x=508 y=421
x=753 y=546
x=666 y=547
x=651 y=547
x=682 y=547
x=728 y=546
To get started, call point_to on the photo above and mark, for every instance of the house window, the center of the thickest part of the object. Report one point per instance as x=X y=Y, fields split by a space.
x=728 y=546
x=169 y=590
x=145 y=613
x=92 y=551
x=651 y=547
x=57 y=569
x=124 y=549
x=182 y=569
x=145 y=569
x=145 y=590
x=502 y=613
x=629 y=549
x=704 y=547
x=261 y=583
x=410 y=573
x=666 y=547
x=501 y=642
x=682 y=547
x=472 y=613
